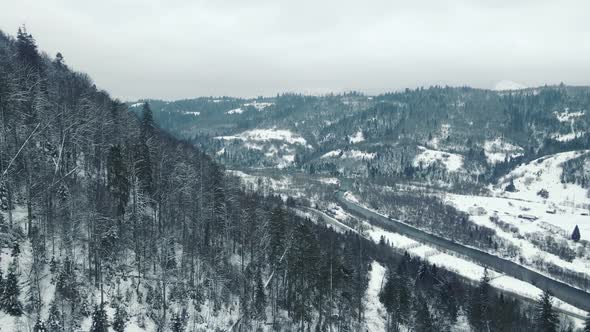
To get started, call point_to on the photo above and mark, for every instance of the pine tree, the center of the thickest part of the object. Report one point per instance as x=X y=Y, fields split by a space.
x=99 y=320
x=546 y=317
x=10 y=302
x=260 y=300
x=480 y=303
x=15 y=249
x=2 y=284
x=54 y=323
x=422 y=317
x=40 y=326
x=26 y=47
x=587 y=324
x=120 y=319
x=510 y=187
x=177 y=323
x=118 y=178
x=576 y=234
x=144 y=164
x=387 y=296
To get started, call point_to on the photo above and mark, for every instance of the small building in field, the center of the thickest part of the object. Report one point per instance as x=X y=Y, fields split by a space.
x=527 y=217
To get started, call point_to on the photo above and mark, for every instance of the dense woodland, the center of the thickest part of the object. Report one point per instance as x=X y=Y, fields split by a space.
x=106 y=222
x=455 y=120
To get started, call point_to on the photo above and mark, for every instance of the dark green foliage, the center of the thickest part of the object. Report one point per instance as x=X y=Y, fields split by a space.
x=120 y=319
x=118 y=178
x=260 y=300
x=396 y=298
x=576 y=234
x=40 y=326
x=100 y=322
x=422 y=317
x=15 y=249
x=66 y=284
x=587 y=324
x=54 y=321
x=9 y=300
x=178 y=322
x=543 y=193
x=546 y=317
x=480 y=303
x=510 y=187
x=27 y=47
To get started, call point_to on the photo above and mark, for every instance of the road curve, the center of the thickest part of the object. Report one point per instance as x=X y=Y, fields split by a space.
x=562 y=291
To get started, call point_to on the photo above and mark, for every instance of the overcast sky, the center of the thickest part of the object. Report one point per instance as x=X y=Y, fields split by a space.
x=188 y=48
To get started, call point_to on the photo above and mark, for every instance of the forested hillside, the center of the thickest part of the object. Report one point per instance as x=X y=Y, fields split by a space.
x=108 y=223
x=440 y=135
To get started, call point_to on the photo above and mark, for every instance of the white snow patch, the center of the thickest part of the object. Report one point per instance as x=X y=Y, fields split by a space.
x=506 y=85
x=545 y=173
x=267 y=135
x=567 y=116
x=235 y=111
x=259 y=105
x=193 y=113
x=351 y=197
x=358 y=137
x=332 y=154
x=329 y=181
x=452 y=161
x=350 y=154
x=497 y=150
x=566 y=137
x=375 y=312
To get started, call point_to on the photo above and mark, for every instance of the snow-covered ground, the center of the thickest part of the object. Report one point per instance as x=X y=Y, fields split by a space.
x=559 y=225
x=357 y=138
x=566 y=137
x=259 y=105
x=567 y=116
x=457 y=264
x=498 y=150
x=235 y=111
x=452 y=162
x=545 y=173
x=349 y=154
x=375 y=313
x=265 y=135
x=206 y=319
x=570 y=118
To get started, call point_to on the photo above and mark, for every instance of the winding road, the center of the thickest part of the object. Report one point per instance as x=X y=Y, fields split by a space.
x=563 y=291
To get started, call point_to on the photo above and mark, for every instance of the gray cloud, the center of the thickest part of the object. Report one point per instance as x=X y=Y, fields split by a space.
x=183 y=48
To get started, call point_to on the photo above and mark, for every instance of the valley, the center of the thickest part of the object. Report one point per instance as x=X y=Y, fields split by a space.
x=519 y=192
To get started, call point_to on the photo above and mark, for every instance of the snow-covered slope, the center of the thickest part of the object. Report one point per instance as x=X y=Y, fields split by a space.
x=498 y=150
x=265 y=135
x=452 y=162
x=545 y=174
x=375 y=313
x=506 y=85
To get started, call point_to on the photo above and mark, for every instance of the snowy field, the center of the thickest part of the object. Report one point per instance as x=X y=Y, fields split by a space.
x=349 y=154
x=266 y=135
x=498 y=150
x=452 y=162
x=544 y=173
